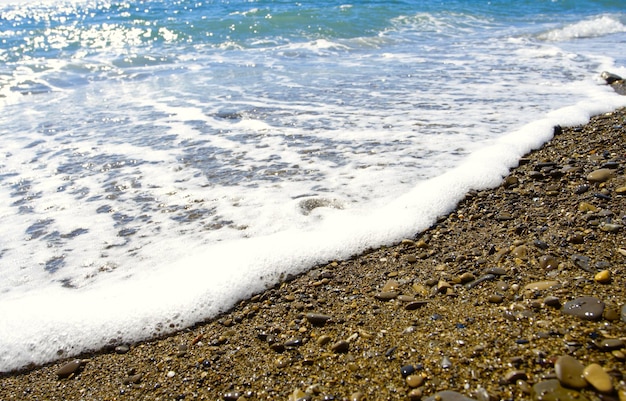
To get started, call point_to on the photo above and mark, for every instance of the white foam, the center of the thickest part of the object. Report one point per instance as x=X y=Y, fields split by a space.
x=214 y=279
x=598 y=26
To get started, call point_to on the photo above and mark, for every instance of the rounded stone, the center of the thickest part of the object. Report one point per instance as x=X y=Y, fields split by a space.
x=317 y=319
x=601 y=175
x=495 y=298
x=598 y=378
x=551 y=390
x=587 y=308
x=341 y=347
x=603 y=277
x=548 y=262
x=570 y=372
x=610 y=344
x=69 y=368
x=414 y=381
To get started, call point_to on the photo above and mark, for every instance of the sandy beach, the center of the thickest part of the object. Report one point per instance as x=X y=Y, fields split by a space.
x=520 y=293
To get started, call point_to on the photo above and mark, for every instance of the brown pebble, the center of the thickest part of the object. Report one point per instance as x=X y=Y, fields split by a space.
x=515 y=375
x=317 y=319
x=69 y=368
x=570 y=372
x=598 y=378
x=415 y=394
x=448 y=396
x=495 y=298
x=341 y=347
x=601 y=175
x=386 y=295
x=414 y=381
x=610 y=344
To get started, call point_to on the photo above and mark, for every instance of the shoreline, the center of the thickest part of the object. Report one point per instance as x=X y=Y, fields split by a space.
x=474 y=305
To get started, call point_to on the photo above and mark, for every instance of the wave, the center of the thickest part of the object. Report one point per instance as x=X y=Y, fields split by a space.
x=595 y=27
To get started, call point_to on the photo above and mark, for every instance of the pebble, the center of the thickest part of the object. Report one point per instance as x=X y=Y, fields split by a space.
x=341 y=347
x=448 y=395
x=386 y=295
x=552 y=301
x=603 y=277
x=69 y=368
x=587 y=308
x=541 y=285
x=357 y=396
x=570 y=372
x=610 y=344
x=414 y=381
x=598 y=378
x=600 y=175
x=407 y=370
x=548 y=262
x=514 y=375
x=122 y=349
x=551 y=390
x=317 y=319
x=495 y=298
x=624 y=313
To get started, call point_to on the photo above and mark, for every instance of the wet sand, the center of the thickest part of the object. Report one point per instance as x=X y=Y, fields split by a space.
x=478 y=306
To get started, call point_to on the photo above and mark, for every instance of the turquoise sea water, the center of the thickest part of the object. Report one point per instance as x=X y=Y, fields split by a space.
x=202 y=149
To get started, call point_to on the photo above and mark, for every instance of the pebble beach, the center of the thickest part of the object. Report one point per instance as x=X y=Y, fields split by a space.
x=520 y=293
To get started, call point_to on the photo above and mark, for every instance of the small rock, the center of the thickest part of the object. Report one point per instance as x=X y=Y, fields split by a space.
x=600 y=175
x=390 y=286
x=548 y=262
x=132 y=379
x=603 y=277
x=386 y=296
x=551 y=390
x=415 y=305
x=414 y=381
x=69 y=368
x=552 y=301
x=495 y=298
x=448 y=395
x=570 y=372
x=357 y=396
x=610 y=344
x=587 y=308
x=515 y=375
x=415 y=394
x=407 y=370
x=317 y=319
x=341 y=347
x=122 y=349
x=446 y=363
x=540 y=285
x=598 y=378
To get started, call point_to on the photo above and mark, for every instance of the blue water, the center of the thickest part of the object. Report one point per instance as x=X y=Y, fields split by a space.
x=203 y=149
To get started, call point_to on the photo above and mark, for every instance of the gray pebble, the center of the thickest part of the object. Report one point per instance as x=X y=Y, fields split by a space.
x=448 y=396
x=587 y=308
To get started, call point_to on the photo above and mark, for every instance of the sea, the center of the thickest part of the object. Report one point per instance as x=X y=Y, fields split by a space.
x=161 y=160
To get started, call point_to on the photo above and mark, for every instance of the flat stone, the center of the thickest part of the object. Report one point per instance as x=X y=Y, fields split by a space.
x=317 y=319
x=386 y=295
x=624 y=313
x=570 y=372
x=598 y=378
x=541 y=285
x=448 y=396
x=601 y=175
x=610 y=344
x=390 y=286
x=69 y=368
x=548 y=262
x=341 y=347
x=551 y=390
x=515 y=375
x=587 y=308
x=414 y=381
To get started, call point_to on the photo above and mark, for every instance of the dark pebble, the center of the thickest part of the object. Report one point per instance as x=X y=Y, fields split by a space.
x=587 y=308
x=415 y=305
x=133 y=379
x=552 y=301
x=515 y=375
x=407 y=370
x=317 y=319
x=479 y=280
x=581 y=189
x=122 y=349
x=341 y=347
x=294 y=342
